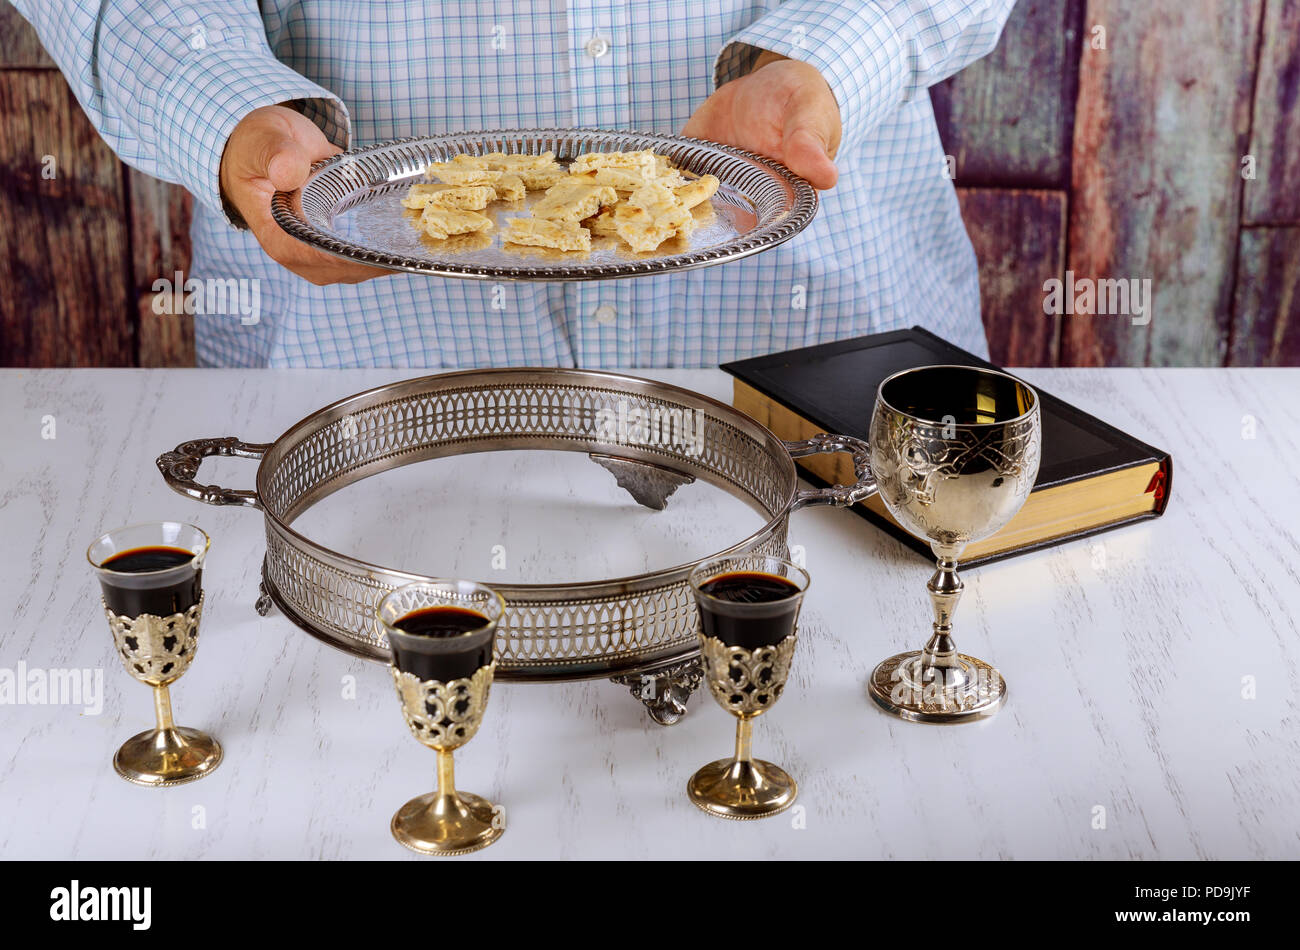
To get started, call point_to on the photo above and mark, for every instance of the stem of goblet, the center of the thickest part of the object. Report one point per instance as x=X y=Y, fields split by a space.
x=945 y=589
x=162 y=707
x=744 y=735
x=446 y=774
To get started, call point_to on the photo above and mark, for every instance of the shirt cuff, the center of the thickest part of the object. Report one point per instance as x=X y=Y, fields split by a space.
x=211 y=93
x=854 y=46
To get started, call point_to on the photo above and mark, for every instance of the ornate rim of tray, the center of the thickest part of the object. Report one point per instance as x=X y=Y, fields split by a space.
x=550 y=632
x=782 y=202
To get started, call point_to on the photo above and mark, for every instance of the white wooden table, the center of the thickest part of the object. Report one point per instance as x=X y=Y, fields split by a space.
x=1154 y=709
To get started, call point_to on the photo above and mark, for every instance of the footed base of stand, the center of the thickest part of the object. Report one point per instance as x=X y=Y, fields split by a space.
x=446 y=825
x=163 y=757
x=898 y=687
x=729 y=788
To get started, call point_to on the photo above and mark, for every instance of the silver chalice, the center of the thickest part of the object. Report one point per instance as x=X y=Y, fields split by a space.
x=955 y=450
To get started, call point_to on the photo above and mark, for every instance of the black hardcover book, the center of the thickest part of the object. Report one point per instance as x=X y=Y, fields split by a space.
x=1092 y=476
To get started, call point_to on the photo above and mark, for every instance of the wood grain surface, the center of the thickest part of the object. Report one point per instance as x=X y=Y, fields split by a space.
x=1273 y=196
x=160 y=237
x=1162 y=123
x=65 y=242
x=1267 y=306
x=1006 y=119
x=1019 y=240
x=20 y=48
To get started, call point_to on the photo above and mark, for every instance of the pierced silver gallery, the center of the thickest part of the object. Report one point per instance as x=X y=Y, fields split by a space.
x=103 y=903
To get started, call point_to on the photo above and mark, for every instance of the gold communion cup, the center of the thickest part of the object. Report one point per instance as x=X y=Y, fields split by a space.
x=442 y=635
x=151 y=577
x=748 y=608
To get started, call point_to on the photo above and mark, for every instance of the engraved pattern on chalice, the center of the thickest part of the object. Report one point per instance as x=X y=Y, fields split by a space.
x=955 y=450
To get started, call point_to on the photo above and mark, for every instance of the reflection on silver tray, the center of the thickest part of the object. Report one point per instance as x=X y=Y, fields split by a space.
x=351 y=207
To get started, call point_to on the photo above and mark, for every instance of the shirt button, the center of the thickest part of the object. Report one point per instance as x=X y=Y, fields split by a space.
x=605 y=314
x=597 y=47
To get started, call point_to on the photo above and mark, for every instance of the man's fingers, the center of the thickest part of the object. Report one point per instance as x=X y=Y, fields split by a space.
x=273 y=150
x=287 y=251
x=307 y=262
x=277 y=144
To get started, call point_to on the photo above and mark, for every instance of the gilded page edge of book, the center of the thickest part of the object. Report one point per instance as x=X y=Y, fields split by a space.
x=838 y=469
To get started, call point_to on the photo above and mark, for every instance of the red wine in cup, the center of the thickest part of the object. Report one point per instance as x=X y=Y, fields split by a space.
x=171 y=596
x=442 y=661
x=742 y=628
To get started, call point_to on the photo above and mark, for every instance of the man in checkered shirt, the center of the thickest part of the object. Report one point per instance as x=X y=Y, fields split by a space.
x=234 y=99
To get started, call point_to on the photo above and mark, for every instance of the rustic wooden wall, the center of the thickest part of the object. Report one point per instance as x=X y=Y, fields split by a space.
x=84 y=237
x=1151 y=141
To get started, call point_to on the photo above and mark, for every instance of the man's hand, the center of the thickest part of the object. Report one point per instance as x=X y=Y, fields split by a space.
x=272 y=149
x=783 y=109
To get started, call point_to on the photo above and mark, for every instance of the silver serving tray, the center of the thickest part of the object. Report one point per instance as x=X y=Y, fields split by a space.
x=551 y=631
x=351 y=207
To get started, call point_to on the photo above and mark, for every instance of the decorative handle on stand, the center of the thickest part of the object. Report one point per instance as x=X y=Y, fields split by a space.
x=840 y=496
x=180 y=467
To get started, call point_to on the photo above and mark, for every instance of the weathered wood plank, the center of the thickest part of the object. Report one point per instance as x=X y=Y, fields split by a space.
x=1019 y=240
x=19 y=45
x=1266 y=324
x=1273 y=196
x=1161 y=126
x=63 y=247
x=1006 y=119
x=167 y=338
x=160 y=239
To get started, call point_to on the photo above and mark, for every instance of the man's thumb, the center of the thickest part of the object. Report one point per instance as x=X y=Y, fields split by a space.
x=287 y=164
x=806 y=154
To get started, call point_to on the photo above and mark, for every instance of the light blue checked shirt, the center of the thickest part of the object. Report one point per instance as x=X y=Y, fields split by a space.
x=166 y=82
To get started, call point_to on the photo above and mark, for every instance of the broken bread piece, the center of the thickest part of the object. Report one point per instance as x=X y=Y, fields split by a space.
x=462 y=173
x=458 y=243
x=544 y=176
x=694 y=192
x=644 y=162
x=510 y=187
x=573 y=201
x=442 y=221
x=602 y=223
x=539 y=232
x=466 y=198
x=470 y=161
x=626 y=180
x=651 y=216
x=421 y=195
x=638 y=228
x=516 y=163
